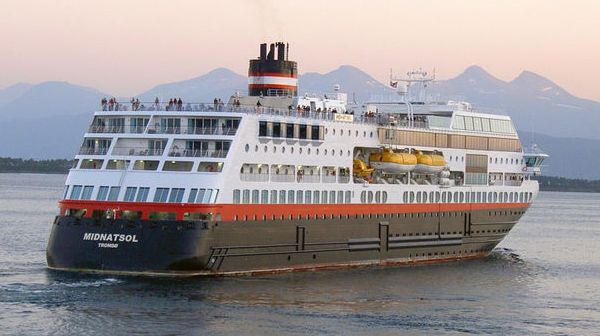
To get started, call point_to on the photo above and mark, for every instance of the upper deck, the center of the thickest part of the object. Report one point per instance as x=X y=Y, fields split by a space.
x=446 y=117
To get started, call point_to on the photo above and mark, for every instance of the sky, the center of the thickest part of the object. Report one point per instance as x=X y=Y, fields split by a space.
x=124 y=47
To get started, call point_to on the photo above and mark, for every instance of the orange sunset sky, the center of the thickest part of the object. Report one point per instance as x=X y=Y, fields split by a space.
x=125 y=47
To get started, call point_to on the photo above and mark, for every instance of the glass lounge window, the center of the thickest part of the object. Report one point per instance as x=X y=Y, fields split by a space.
x=193 y=194
x=113 y=194
x=130 y=194
x=76 y=192
x=176 y=195
x=102 y=193
x=87 y=192
x=142 y=195
x=236 y=196
x=161 y=194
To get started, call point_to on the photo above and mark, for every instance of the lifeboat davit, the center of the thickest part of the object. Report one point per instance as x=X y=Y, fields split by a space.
x=429 y=163
x=361 y=169
x=393 y=163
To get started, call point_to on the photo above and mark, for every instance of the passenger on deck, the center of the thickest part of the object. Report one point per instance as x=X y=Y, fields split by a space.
x=179 y=105
x=156 y=103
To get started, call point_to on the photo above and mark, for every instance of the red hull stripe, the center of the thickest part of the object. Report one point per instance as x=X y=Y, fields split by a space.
x=272 y=86
x=271 y=74
x=249 y=211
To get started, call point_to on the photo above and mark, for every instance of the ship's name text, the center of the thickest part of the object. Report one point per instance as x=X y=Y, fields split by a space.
x=110 y=237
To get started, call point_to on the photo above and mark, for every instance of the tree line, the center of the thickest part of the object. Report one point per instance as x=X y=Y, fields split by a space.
x=57 y=166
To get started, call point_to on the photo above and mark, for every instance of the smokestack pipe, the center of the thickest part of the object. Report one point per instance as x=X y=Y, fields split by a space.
x=271 y=55
x=281 y=51
x=263 y=51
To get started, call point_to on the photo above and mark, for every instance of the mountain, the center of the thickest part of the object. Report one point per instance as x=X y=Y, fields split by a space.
x=51 y=99
x=219 y=83
x=352 y=80
x=47 y=120
x=569 y=157
x=534 y=102
x=13 y=92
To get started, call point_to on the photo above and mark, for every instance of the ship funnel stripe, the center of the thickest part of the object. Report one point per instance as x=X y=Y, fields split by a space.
x=273 y=80
x=272 y=74
x=272 y=86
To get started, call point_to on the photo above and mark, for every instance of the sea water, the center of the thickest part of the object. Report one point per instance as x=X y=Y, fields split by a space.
x=544 y=278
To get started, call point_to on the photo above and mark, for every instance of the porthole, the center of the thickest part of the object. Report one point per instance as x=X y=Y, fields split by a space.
x=282 y=150
x=326 y=130
x=356 y=133
x=371 y=135
x=332 y=152
x=300 y=150
x=274 y=149
x=325 y=151
x=308 y=151
x=348 y=153
x=333 y=131
x=341 y=152
x=365 y=134
x=247 y=147
x=317 y=151
x=256 y=148
x=292 y=150
x=266 y=149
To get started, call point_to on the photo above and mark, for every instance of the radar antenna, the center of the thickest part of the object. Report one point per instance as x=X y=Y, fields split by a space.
x=417 y=80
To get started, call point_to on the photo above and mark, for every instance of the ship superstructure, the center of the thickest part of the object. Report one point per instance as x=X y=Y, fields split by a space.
x=274 y=182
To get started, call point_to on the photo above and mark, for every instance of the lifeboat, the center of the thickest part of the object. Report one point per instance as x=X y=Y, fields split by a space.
x=393 y=163
x=429 y=163
x=361 y=169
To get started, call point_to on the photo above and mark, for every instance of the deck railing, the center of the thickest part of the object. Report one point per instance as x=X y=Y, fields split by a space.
x=198 y=153
x=340 y=116
x=92 y=151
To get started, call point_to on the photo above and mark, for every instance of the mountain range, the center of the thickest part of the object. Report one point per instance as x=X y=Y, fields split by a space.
x=47 y=120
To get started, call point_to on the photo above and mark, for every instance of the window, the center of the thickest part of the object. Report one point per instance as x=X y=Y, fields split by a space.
x=129 y=194
x=264 y=196
x=316 y=195
x=290 y=197
x=307 y=197
x=246 y=196
x=176 y=195
x=262 y=128
x=87 y=192
x=348 y=197
x=273 y=196
x=161 y=194
x=192 y=196
x=255 y=194
x=117 y=164
x=282 y=197
x=102 y=193
x=76 y=192
x=236 y=196
x=91 y=164
x=332 y=196
x=145 y=165
x=324 y=197
x=142 y=195
x=299 y=196
x=113 y=193
x=178 y=166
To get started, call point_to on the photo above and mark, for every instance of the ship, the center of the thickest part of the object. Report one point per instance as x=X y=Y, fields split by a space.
x=276 y=181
